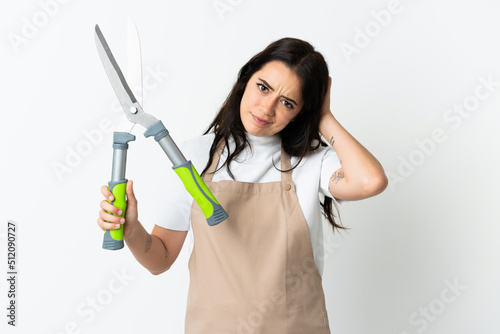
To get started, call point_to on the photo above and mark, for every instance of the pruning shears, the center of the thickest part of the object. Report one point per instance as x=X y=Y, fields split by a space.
x=213 y=211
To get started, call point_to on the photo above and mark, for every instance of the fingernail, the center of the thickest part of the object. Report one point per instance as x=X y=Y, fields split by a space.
x=117 y=225
x=122 y=220
x=110 y=198
x=120 y=212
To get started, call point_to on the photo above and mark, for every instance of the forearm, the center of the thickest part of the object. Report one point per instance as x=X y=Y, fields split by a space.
x=360 y=169
x=148 y=249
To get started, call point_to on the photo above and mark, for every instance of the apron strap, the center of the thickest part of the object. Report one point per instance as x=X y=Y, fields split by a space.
x=286 y=166
x=209 y=174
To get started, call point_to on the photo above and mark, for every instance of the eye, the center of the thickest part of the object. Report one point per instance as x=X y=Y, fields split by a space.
x=262 y=88
x=287 y=104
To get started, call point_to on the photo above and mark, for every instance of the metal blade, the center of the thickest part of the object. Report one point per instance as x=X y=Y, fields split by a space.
x=134 y=60
x=132 y=109
x=115 y=75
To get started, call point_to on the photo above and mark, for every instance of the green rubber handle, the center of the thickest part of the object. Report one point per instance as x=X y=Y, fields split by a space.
x=113 y=239
x=213 y=211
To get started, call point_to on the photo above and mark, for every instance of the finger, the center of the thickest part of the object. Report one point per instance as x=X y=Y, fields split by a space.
x=106 y=206
x=131 y=200
x=107 y=193
x=104 y=225
x=326 y=101
x=105 y=216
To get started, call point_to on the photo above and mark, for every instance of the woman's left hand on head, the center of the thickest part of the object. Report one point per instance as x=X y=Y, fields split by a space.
x=326 y=113
x=325 y=109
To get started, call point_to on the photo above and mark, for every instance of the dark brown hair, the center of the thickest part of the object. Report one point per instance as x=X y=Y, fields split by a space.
x=300 y=137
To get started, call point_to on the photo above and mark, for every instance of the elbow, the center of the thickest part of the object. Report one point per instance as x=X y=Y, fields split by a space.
x=375 y=184
x=157 y=272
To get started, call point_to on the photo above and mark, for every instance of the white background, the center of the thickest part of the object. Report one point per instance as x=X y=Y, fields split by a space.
x=434 y=227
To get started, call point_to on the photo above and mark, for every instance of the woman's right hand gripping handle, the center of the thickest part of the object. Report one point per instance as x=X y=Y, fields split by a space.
x=156 y=251
x=109 y=215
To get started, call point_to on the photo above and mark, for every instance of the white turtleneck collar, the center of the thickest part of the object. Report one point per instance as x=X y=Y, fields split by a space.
x=261 y=149
x=263 y=141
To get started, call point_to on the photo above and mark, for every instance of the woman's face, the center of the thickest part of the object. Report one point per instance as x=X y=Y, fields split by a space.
x=272 y=99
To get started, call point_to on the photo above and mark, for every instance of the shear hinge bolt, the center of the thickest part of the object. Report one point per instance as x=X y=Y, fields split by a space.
x=133 y=110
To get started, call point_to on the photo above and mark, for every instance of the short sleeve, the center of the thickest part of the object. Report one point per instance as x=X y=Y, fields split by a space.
x=173 y=206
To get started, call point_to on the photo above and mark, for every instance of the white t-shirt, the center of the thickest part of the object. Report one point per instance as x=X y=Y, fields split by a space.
x=255 y=164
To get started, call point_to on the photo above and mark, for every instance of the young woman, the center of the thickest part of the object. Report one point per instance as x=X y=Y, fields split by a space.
x=259 y=271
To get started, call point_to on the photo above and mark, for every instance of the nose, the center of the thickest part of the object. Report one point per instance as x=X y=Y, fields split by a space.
x=267 y=105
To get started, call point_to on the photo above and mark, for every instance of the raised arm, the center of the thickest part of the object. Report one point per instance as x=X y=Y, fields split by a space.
x=156 y=251
x=361 y=175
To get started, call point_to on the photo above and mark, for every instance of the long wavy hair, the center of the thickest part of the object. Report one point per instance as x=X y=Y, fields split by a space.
x=300 y=137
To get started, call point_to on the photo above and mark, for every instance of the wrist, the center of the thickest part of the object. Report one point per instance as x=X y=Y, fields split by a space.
x=326 y=125
x=130 y=231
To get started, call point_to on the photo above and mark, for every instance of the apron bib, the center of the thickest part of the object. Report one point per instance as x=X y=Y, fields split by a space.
x=254 y=272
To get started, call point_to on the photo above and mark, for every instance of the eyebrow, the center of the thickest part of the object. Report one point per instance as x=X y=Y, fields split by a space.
x=271 y=88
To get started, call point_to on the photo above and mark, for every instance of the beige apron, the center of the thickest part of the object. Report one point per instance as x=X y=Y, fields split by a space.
x=254 y=272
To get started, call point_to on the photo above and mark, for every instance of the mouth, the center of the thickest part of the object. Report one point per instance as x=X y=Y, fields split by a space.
x=260 y=121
